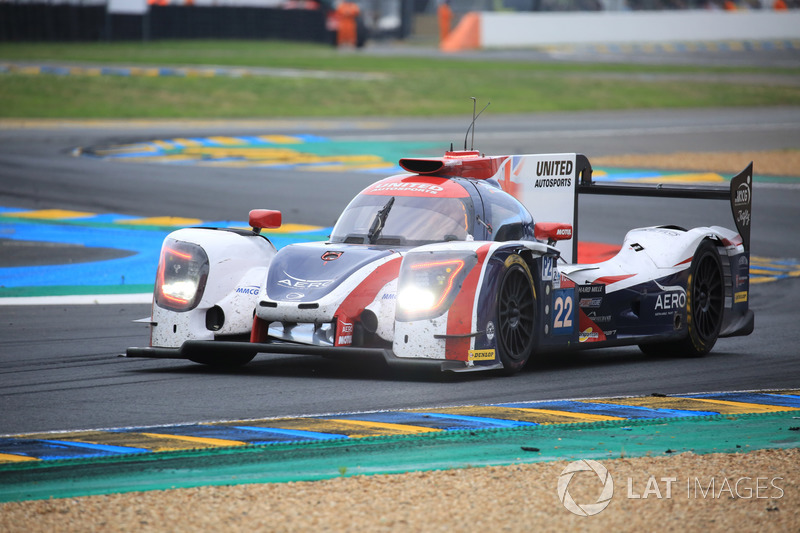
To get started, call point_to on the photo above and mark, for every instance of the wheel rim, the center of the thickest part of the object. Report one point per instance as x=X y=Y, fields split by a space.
x=515 y=315
x=707 y=297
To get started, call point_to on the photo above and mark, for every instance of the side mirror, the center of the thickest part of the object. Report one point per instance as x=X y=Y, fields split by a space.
x=552 y=231
x=265 y=218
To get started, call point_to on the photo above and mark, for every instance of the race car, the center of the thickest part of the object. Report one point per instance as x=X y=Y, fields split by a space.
x=464 y=263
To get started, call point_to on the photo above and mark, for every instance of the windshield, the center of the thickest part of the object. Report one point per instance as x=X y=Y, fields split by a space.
x=403 y=220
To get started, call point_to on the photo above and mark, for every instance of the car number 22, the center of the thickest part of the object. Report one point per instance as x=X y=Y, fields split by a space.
x=563 y=311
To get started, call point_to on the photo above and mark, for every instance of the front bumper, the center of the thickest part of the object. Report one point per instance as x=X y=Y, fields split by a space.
x=195 y=348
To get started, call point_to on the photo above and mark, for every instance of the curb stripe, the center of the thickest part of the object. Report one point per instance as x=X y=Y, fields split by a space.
x=197 y=440
x=394 y=428
x=97 y=447
x=579 y=416
x=619 y=411
x=294 y=433
x=387 y=424
x=7 y=457
x=755 y=399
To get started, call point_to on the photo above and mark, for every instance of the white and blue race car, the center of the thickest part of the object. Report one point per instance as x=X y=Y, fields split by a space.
x=464 y=263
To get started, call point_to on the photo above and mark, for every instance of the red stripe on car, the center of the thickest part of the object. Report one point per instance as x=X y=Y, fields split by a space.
x=459 y=320
x=608 y=280
x=363 y=295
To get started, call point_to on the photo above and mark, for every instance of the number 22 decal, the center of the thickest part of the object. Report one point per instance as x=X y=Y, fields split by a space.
x=563 y=306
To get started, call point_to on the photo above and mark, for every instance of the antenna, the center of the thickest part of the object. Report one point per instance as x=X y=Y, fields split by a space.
x=472 y=125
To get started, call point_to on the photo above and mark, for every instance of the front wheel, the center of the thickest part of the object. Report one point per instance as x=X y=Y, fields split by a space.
x=705 y=300
x=516 y=313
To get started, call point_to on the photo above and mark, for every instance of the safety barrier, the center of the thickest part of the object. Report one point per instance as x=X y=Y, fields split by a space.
x=72 y=22
x=508 y=30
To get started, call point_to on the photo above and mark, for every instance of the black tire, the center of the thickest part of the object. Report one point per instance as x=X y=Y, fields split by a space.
x=705 y=301
x=516 y=314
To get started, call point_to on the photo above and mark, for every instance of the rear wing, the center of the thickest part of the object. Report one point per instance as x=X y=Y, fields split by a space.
x=739 y=193
x=549 y=185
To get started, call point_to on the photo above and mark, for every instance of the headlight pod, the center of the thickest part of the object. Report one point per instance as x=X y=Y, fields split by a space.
x=182 y=274
x=429 y=282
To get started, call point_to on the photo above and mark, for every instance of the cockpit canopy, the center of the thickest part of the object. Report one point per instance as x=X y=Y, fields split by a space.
x=407 y=211
x=417 y=210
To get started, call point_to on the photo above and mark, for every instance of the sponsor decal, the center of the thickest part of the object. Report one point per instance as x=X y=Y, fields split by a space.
x=742 y=197
x=741 y=201
x=670 y=301
x=331 y=256
x=553 y=182
x=554 y=168
x=294 y=296
x=250 y=289
x=298 y=283
x=564 y=232
x=637 y=247
x=588 y=335
x=743 y=217
x=590 y=302
x=591 y=290
x=481 y=355
x=743 y=261
x=344 y=333
x=740 y=297
x=490 y=330
x=425 y=188
x=389 y=296
x=599 y=319
x=673 y=298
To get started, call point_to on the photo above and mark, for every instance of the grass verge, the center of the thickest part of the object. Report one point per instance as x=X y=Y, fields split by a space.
x=411 y=86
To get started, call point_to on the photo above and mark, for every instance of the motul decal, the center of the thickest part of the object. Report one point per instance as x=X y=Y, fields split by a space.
x=344 y=332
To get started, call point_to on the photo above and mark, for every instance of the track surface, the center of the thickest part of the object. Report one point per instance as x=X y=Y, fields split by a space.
x=57 y=364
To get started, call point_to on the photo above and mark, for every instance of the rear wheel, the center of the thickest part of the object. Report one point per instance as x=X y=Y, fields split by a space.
x=516 y=312
x=705 y=300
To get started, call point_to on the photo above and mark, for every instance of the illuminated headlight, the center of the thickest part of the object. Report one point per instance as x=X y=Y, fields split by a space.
x=429 y=282
x=182 y=274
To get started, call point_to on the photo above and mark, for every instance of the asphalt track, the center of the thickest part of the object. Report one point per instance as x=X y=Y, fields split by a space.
x=58 y=364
